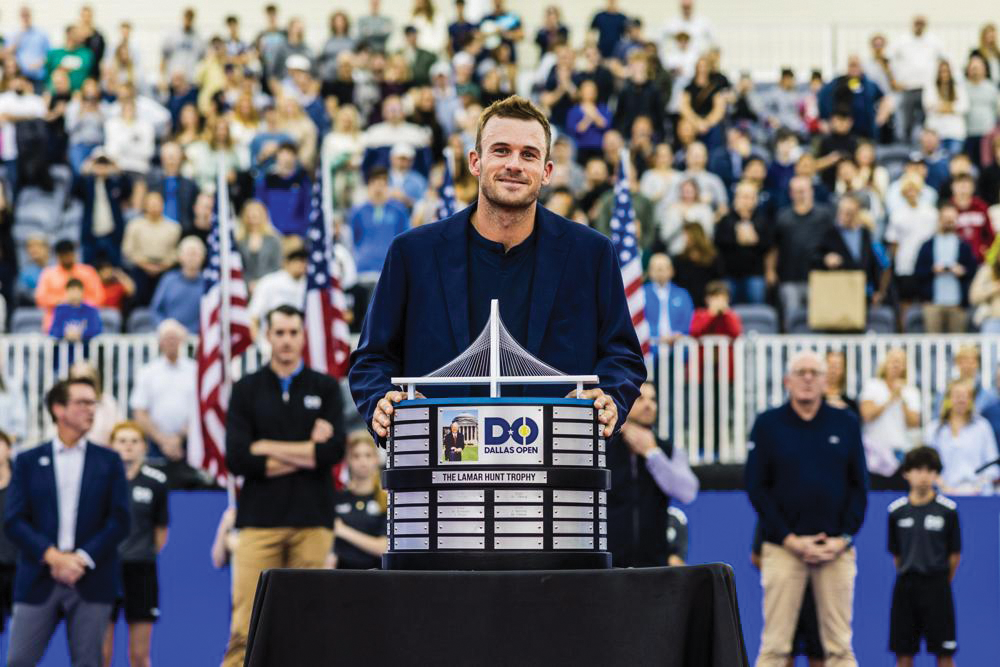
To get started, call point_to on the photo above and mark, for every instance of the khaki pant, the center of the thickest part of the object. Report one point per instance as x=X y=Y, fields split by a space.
x=259 y=549
x=784 y=577
x=945 y=319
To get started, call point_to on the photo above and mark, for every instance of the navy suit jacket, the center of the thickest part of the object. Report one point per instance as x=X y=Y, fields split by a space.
x=418 y=318
x=32 y=521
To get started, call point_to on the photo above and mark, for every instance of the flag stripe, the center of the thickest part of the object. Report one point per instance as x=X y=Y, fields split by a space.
x=623 y=237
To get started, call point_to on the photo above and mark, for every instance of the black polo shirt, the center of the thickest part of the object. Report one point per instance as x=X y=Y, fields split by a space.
x=507 y=276
x=147 y=498
x=923 y=536
x=260 y=410
x=364 y=514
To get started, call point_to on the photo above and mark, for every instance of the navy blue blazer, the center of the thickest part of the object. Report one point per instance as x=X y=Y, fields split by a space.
x=32 y=521
x=418 y=318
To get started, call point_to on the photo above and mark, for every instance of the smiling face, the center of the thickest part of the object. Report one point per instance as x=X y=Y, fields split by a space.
x=511 y=162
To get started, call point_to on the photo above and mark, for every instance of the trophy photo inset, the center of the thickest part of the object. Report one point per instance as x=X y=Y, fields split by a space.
x=496 y=483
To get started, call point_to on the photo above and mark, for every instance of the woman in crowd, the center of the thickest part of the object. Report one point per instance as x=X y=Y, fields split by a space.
x=984 y=293
x=84 y=124
x=244 y=124
x=130 y=140
x=107 y=413
x=704 y=105
x=945 y=105
x=989 y=51
x=689 y=208
x=657 y=181
x=587 y=122
x=431 y=25
x=203 y=156
x=698 y=264
x=890 y=407
x=190 y=126
x=981 y=117
x=965 y=442
x=294 y=122
x=836 y=382
x=360 y=527
x=258 y=243
x=338 y=41
x=341 y=158
x=870 y=175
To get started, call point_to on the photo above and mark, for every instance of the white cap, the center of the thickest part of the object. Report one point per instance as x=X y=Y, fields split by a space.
x=297 y=61
x=402 y=150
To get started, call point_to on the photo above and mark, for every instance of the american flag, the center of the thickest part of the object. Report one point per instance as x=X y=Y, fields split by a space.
x=223 y=306
x=328 y=338
x=446 y=192
x=623 y=228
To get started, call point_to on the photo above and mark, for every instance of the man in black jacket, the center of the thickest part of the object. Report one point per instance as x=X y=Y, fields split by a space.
x=645 y=473
x=284 y=432
x=847 y=246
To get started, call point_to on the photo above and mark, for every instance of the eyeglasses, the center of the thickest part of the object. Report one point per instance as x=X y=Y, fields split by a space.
x=84 y=402
x=808 y=372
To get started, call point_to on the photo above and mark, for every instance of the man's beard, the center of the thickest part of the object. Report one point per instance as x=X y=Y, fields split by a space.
x=496 y=197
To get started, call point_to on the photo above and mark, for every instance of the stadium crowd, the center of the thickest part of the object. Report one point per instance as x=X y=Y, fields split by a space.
x=741 y=188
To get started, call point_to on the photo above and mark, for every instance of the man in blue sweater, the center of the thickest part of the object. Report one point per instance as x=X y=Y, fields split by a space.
x=807 y=479
x=178 y=294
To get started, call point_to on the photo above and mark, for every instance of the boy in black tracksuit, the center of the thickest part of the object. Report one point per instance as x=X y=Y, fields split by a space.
x=925 y=542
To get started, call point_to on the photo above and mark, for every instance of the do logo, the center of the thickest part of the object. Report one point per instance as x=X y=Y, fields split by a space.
x=523 y=431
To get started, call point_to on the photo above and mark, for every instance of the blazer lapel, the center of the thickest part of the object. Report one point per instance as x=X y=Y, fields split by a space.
x=89 y=461
x=550 y=259
x=48 y=473
x=453 y=261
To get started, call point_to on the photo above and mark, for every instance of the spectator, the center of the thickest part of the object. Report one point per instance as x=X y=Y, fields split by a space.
x=561 y=87
x=36 y=252
x=270 y=41
x=460 y=31
x=890 y=409
x=105 y=192
x=981 y=118
x=119 y=288
x=147 y=492
x=31 y=48
x=988 y=51
x=501 y=26
x=67 y=564
x=286 y=192
x=639 y=97
x=106 y=412
x=989 y=178
x=337 y=42
x=166 y=416
x=74 y=58
x=258 y=243
x=406 y=185
x=848 y=246
x=782 y=168
x=870 y=176
x=727 y=161
x=646 y=472
x=210 y=75
x=781 y=107
x=51 y=289
x=340 y=159
x=189 y=127
x=697 y=28
x=84 y=124
x=359 y=529
x=587 y=122
x=973 y=225
x=178 y=294
x=836 y=382
x=19 y=103
x=704 y=106
x=711 y=188
x=284 y=449
x=965 y=442
x=73 y=320
x=914 y=61
x=836 y=146
x=204 y=216
x=966 y=367
x=925 y=543
x=610 y=25
x=698 y=263
x=375 y=223
x=984 y=294
x=744 y=238
x=294 y=122
x=945 y=104
x=669 y=308
x=659 y=178
x=183 y=49
x=214 y=151
x=804 y=495
x=150 y=246
x=130 y=140
x=690 y=207
x=13 y=414
x=910 y=224
x=914 y=169
x=717 y=319
x=799 y=230
x=553 y=31
x=178 y=191
x=285 y=287
x=855 y=95
x=375 y=28
x=945 y=265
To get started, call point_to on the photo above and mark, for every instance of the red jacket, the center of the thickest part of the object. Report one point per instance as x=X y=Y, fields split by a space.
x=975 y=228
x=705 y=323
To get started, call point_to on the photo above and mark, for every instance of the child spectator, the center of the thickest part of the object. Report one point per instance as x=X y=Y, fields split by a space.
x=925 y=542
x=73 y=320
x=118 y=286
x=147 y=492
x=974 y=225
x=51 y=289
x=360 y=527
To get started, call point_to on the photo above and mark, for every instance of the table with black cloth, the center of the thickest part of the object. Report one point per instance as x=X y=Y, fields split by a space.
x=669 y=616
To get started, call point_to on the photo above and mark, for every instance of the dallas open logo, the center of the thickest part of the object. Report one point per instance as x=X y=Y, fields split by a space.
x=522 y=432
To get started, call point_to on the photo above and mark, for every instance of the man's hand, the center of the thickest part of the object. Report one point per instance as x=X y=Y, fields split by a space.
x=829 y=549
x=383 y=411
x=322 y=431
x=832 y=260
x=607 y=411
x=639 y=440
x=66 y=568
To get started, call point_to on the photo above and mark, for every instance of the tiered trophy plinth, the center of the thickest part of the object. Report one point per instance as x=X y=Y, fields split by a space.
x=496 y=484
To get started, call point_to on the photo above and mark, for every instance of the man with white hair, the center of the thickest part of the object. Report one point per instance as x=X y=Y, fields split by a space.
x=178 y=294
x=405 y=183
x=806 y=477
x=164 y=401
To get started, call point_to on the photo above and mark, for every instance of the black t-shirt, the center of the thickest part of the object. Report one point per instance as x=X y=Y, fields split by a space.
x=8 y=551
x=677 y=533
x=923 y=536
x=507 y=276
x=363 y=513
x=147 y=496
x=703 y=97
x=797 y=237
x=743 y=260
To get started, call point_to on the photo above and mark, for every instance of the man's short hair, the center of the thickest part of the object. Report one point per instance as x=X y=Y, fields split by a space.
x=4 y=438
x=297 y=253
x=963 y=176
x=59 y=393
x=287 y=311
x=74 y=282
x=378 y=173
x=64 y=247
x=922 y=457
x=517 y=107
x=716 y=287
x=288 y=146
x=946 y=203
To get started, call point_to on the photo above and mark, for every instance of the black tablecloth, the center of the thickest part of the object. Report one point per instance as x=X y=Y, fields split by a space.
x=683 y=616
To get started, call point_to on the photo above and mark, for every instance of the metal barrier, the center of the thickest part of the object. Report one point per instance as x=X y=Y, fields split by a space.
x=709 y=389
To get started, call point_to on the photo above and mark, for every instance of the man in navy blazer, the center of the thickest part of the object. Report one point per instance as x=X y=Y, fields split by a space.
x=558 y=282
x=67 y=510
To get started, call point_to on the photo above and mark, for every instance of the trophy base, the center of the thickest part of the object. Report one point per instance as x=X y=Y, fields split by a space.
x=507 y=560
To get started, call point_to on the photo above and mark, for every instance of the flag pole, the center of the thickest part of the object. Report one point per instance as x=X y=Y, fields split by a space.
x=224 y=220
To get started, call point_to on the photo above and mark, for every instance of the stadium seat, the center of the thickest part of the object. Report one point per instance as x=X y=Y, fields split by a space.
x=26 y=320
x=881 y=319
x=913 y=320
x=111 y=321
x=141 y=321
x=798 y=322
x=757 y=317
